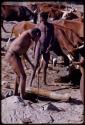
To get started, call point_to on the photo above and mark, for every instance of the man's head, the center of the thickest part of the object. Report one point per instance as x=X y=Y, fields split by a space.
x=36 y=33
x=44 y=16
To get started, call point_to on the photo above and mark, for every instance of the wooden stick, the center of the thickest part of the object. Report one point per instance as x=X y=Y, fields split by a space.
x=49 y=94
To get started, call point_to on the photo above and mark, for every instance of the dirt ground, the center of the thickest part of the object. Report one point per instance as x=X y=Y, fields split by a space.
x=73 y=110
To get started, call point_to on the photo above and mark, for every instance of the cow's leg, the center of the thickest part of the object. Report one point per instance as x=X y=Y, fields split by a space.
x=66 y=60
x=59 y=52
x=45 y=66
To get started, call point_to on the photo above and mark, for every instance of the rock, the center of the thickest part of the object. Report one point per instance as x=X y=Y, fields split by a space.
x=52 y=107
x=14 y=111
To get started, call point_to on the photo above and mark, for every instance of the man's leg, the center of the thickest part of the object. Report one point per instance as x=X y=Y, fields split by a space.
x=41 y=61
x=16 y=85
x=17 y=66
x=22 y=77
x=45 y=66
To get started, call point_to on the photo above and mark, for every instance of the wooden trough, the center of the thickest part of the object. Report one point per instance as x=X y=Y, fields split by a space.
x=49 y=94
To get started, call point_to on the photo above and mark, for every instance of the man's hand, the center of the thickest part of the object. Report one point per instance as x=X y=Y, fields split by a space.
x=48 y=49
x=28 y=59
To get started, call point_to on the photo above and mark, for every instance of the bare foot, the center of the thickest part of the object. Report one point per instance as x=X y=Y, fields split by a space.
x=45 y=83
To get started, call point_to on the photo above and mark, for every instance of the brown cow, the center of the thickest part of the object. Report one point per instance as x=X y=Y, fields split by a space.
x=77 y=25
x=72 y=38
x=19 y=28
x=48 y=5
x=54 y=10
x=22 y=26
x=16 y=12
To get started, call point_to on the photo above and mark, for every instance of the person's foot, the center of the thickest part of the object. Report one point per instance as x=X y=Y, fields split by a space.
x=45 y=83
x=22 y=96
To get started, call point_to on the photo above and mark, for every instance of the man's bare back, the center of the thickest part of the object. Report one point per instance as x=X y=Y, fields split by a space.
x=21 y=44
x=47 y=34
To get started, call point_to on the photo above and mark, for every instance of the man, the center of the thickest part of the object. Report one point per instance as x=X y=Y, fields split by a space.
x=44 y=44
x=17 y=49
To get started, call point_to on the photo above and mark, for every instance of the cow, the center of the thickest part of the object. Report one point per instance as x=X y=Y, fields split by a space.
x=77 y=25
x=54 y=11
x=21 y=27
x=18 y=28
x=71 y=14
x=44 y=6
x=16 y=13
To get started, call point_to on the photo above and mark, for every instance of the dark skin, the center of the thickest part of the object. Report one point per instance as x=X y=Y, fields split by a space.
x=17 y=49
x=45 y=42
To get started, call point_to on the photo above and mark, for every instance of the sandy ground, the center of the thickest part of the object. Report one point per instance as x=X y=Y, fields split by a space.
x=73 y=110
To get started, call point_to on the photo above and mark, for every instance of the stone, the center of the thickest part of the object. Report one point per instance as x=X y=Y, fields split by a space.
x=14 y=111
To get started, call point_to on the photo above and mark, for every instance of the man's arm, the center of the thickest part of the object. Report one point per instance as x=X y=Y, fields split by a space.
x=28 y=59
x=51 y=40
x=48 y=48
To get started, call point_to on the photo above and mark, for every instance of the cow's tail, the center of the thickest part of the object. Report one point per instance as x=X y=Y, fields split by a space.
x=8 y=42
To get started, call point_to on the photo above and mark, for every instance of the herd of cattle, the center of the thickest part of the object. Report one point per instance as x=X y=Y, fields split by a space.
x=68 y=20
x=68 y=25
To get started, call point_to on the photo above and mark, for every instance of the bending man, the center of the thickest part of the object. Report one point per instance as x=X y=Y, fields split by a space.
x=18 y=48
